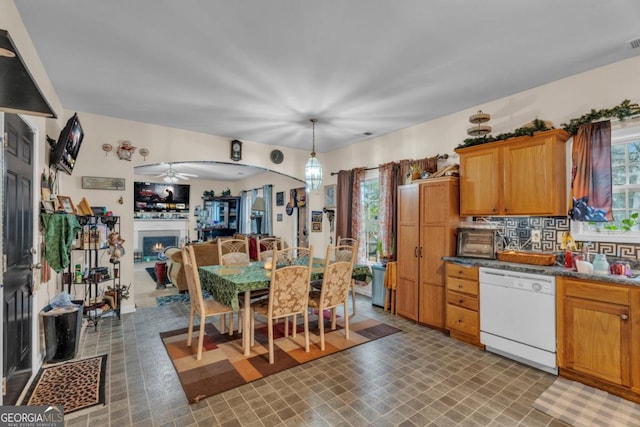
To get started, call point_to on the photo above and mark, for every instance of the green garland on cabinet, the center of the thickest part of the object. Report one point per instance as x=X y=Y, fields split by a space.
x=538 y=126
x=623 y=111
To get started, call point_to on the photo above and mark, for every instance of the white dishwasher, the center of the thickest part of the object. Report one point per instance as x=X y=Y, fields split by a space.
x=518 y=316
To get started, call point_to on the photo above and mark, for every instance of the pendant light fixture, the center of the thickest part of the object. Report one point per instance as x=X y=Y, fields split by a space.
x=313 y=170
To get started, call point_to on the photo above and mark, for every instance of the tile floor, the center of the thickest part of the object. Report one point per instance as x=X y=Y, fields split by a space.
x=418 y=377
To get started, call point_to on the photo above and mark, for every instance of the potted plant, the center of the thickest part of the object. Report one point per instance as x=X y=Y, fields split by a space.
x=386 y=256
x=626 y=224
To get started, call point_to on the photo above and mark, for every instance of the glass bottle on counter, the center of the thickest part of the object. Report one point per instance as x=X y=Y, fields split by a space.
x=600 y=264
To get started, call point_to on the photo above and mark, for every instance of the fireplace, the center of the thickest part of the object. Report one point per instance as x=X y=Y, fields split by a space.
x=154 y=245
x=149 y=233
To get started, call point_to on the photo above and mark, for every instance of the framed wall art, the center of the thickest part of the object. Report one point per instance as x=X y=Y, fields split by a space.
x=298 y=197
x=280 y=198
x=330 y=196
x=316 y=216
x=102 y=183
x=48 y=206
x=66 y=204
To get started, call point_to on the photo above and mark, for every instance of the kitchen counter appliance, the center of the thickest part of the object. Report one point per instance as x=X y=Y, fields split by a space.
x=477 y=242
x=518 y=316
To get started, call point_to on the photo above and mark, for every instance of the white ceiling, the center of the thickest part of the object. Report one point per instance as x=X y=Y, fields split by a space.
x=259 y=70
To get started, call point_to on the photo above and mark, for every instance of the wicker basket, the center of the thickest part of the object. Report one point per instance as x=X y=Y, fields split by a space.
x=537 y=258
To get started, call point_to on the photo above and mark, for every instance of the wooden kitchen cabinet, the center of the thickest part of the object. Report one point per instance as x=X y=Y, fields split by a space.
x=599 y=335
x=428 y=215
x=463 y=303
x=520 y=176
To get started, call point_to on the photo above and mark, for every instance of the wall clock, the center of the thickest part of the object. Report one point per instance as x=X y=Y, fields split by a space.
x=277 y=156
x=236 y=150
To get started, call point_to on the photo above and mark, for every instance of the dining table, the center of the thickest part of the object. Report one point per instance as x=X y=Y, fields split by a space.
x=227 y=282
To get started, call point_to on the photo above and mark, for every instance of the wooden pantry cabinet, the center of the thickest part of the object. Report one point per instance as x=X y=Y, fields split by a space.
x=428 y=215
x=599 y=335
x=463 y=303
x=520 y=176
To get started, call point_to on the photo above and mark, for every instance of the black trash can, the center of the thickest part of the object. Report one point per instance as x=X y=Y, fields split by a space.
x=62 y=328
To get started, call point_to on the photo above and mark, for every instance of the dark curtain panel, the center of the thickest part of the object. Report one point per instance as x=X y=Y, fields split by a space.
x=591 y=173
x=343 y=203
x=388 y=206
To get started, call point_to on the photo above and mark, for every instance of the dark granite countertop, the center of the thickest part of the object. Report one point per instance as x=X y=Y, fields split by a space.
x=550 y=270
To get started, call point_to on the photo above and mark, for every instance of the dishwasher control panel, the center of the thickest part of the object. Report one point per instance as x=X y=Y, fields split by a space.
x=518 y=280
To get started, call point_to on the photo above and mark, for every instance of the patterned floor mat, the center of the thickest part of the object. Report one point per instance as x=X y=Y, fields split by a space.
x=580 y=405
x=75 y=385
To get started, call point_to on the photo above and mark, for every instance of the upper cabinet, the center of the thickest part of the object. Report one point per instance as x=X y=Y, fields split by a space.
x=520 y=176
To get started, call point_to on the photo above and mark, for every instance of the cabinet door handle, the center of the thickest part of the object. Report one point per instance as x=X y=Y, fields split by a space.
x=460 y=286
x=460 y=301
x=415 y=252
x=420 y=251
x=624 y=316
x=494 y=209
x=506 y=209
x=459 y=320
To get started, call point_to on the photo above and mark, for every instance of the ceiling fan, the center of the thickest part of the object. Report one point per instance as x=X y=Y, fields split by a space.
x=172 y=176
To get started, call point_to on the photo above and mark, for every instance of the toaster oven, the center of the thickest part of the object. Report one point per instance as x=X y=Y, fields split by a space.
x=477 y=243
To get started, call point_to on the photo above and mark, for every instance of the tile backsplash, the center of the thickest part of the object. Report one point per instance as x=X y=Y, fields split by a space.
x=517 y=233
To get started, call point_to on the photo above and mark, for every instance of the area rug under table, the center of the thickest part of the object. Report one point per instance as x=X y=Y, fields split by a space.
x=580 y=405
x=223 y=365
x=74 y=385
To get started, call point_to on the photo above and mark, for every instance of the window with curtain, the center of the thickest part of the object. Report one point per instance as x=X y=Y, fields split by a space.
x=625 y=168
x=370 y=196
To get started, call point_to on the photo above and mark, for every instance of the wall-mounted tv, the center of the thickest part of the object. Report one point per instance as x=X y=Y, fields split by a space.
x=64 y=153
x=159 y=197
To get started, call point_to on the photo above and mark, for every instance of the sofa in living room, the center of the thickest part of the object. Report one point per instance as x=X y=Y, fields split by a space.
x=206 y=254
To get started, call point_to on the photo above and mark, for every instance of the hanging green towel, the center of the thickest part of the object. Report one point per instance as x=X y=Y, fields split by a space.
x=60 y=230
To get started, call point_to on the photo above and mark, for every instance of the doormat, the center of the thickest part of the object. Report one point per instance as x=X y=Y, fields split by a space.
x=223 y=365
x=152 y=273
x=580 y=405
x=74 y=385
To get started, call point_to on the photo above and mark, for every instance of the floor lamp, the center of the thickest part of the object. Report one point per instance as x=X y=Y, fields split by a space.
x=258 y=208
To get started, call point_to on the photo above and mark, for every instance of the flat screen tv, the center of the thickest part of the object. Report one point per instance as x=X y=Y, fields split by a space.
x=158 y=197
x=64 y=153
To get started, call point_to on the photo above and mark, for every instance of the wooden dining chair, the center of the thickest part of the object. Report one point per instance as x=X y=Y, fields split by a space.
x=267 y=245
x=336 y=283
x=288 y=293
x=233 y=251
x=204 y=308
x=353 y=244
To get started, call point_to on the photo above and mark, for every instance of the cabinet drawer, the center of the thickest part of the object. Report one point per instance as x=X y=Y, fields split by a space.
x=606 y=292
x=457 y=270
x=462 y=285
x=462 y=300
x=462 y=320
